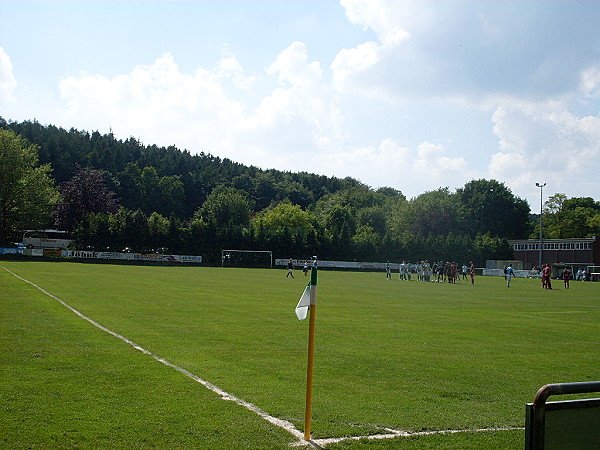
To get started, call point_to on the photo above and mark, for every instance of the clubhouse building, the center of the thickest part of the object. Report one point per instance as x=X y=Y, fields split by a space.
x=579 y=252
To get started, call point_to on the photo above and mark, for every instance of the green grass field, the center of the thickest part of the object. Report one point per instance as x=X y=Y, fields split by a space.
x=412 y=356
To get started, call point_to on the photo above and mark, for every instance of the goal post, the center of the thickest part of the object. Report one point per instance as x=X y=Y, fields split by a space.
x=247 y=258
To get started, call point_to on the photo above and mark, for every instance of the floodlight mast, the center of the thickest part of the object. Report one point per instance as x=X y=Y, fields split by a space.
x=541 y=186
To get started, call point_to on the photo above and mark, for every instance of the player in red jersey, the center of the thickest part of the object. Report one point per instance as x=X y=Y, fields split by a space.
x=546 y=278
x=472 y=272
x=566 y=277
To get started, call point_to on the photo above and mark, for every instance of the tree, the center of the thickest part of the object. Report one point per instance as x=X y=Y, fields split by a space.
x=27 y=192
x=593 y=224
x=366 y=242
x=491 y=207
x=570 y=217
x=226 y=212
x=391 y=192
x=172 y=195
x=94 y=232
x=490 y=247
x=164 y=195
x=375 y=217
x=129 y=229
x=83 y=194
x=159 y=228
x=554 y=204
x=282 y=226
x=286 y=214
x=338 y=212
x=435 y=212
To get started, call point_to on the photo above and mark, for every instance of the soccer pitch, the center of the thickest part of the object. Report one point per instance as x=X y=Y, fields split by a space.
x=450 y=365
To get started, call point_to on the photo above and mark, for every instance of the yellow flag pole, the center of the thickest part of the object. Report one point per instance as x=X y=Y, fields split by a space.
x=309 y=375
x=311 y=348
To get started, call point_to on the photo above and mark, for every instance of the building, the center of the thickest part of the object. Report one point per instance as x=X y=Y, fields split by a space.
x=578 y=252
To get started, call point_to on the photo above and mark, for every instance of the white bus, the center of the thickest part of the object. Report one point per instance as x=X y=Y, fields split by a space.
x=46 y=239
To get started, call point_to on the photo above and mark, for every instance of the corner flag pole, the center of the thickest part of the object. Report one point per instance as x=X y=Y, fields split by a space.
x=311 y=348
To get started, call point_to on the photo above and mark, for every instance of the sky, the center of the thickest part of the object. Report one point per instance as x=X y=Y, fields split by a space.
x=410 y=94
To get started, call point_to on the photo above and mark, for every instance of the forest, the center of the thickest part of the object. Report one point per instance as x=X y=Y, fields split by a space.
x=121 y=194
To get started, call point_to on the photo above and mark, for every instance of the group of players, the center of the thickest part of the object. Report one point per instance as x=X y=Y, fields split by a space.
x=438 y=272
x=547 y=277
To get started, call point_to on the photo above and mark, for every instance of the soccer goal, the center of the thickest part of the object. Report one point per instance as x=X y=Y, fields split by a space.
x=246 y=258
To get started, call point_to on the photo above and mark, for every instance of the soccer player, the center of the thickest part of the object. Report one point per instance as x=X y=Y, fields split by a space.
x=402 y=270
x=454 y=272
x=388 y=271
x=510 y=273
x=546 y=277
x=566 y=277
x=290 y=266
x=472 y=273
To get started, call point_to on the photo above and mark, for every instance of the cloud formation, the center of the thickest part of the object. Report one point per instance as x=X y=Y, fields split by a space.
x=531 y=65
x=427 y=94
x=8 y=83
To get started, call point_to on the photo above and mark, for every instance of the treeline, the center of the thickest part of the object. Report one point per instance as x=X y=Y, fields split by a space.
x=569 y=217
x=166 y=179
x=117 y=194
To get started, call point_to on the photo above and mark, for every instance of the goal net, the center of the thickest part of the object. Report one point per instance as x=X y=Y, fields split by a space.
x=246 y=258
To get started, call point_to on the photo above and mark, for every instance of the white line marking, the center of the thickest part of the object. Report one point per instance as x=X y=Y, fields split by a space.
x=398 y=433
x=281 y=423
x=564 y=312
x=288 y=426
x=539 y=317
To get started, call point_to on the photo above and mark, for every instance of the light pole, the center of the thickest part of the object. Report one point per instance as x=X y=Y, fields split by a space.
x=541 y=186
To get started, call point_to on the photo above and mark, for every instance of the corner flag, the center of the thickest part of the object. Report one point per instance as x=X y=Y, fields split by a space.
x=303 y=304
x=308 y=297
x=309 y=301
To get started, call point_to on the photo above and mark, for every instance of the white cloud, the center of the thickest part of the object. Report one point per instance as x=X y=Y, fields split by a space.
x=438 y=168
x=293 y=67
x=157 y=101
x=386 y=164
x=545 y=141
x=350 y=62
x=413 y=171
x=202 y=111
x=505 y=166
x=384 y=17
x=230 y=68
x=531 y=67
x=8 y=83
x=355 y=70
x=590 y=82
x=462 y=49
x=297 y=120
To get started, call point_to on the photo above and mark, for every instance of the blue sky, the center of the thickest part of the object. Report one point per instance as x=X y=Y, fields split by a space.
x=412 y=94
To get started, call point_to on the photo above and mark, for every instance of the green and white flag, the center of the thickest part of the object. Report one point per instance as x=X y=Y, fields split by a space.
x=309 y=296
